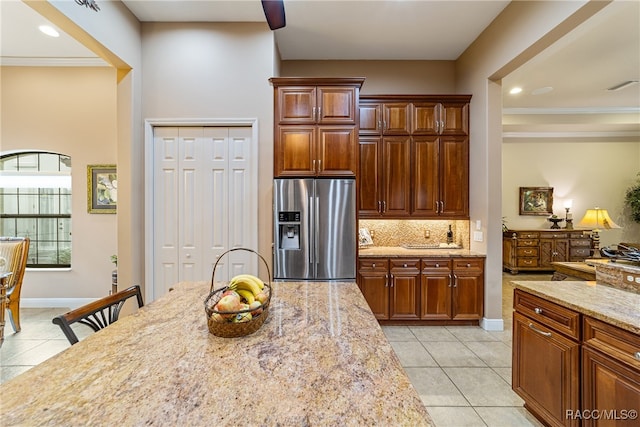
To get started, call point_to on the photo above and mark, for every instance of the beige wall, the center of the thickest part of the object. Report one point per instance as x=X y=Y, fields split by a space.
x=590 y=173
x=70 y=111
x=215 y=71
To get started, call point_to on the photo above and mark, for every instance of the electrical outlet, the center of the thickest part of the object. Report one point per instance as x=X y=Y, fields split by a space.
x=427 y=233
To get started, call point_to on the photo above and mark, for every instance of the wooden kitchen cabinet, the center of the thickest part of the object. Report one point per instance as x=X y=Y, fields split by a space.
x=316 y=126
x=610 y=373
x=373 y=281
x=535 y=250
x=405 y=289
x=452 y=289
x=546 y=358
x=427 y=290
x=423 y=141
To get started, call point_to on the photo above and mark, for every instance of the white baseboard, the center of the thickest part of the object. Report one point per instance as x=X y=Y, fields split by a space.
x=70 y=303
x=492 y=324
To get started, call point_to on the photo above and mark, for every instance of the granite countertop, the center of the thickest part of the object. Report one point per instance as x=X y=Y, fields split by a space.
x=615 y=306
x=320 y=358
x=399 y=251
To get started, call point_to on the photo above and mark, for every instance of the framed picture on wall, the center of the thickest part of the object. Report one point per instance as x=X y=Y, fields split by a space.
x=536 y=201
x=102 y=189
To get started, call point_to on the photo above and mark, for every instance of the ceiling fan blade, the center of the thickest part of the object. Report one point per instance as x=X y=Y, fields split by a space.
x=274 y=12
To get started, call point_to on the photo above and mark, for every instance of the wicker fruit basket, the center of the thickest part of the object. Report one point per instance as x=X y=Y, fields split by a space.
x=236 y=323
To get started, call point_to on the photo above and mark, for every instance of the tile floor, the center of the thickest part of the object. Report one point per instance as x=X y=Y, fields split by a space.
x=462 y=373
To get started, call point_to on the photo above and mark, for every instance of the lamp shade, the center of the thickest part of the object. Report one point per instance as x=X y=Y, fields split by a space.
x=597 y=219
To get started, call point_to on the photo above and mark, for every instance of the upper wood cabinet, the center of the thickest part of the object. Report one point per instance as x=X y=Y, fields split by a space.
x=316 y=126
x=414 y=156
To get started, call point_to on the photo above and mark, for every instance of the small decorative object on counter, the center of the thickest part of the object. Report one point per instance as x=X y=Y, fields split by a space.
x=241 y=307
x=449 y=236
x=555 y=220
x=114 y=275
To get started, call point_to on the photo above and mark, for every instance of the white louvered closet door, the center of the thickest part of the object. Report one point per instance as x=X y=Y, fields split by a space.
x=205 y=198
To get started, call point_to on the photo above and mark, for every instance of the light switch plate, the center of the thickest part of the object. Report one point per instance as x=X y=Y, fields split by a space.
x=477 y=236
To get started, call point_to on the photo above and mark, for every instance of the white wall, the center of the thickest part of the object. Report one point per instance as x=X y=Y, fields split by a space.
x=590 y=173
x=70 y=111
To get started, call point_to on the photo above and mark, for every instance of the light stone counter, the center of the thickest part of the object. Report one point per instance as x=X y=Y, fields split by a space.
x=615 y=306
x=320 y=359
x=399 y=251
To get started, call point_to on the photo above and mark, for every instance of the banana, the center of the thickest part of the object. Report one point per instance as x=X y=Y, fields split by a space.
x=247 y=295
x=245 y=284
x=247 y=278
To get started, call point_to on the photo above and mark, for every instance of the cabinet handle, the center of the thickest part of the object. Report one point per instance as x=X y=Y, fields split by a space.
x=468 y=265
x=384 y=125
x=404 y=265
x=314 y=166
x=533 y=328
x=319 y=113
x=392 y=280
x=373 y=265
x=379 y=206
x=537 y=310
x=441 y=126
x=314 y=114
x=384 y=206
x=437 y=265
x=319 y=165
x=380 y=124
x=637 y=355
x=386 y=280
x=450 y=280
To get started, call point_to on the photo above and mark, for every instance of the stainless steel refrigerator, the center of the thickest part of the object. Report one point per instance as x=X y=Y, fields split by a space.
x=315 y=229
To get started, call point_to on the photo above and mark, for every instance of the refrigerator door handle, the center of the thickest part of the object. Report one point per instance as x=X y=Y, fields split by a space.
x=311 y=254
x=316 y=238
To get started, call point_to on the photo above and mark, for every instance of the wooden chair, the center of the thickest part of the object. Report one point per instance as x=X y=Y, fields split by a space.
x=13 y=258
x=98 y=314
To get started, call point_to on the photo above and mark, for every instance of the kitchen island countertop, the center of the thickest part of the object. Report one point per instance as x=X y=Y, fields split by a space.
x=320 y=358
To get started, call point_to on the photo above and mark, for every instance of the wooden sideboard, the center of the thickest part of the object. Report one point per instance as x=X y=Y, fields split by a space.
x=537 y=250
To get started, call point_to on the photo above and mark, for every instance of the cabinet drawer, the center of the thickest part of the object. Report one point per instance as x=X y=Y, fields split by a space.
x=527 y=251
x=434 y=265
x=615 y=342
x=580 y=252
x=556 y=236
x=528 y=242
x=552 y=315
x=580 y=243
x=468 y=264
x=528 y=235
x=400 y=264
x=373 y=264
x=527 y=262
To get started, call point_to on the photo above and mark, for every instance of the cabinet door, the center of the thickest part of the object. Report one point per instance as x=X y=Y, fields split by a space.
x=396 y=118
x=396 y=187
x=368 y=178
x=609 y=387
x=454 y=176
x=370 y=119
x=373 y=281
x=425 y=116
x=295 y=151
x=425 y=176
x=545 y=371
x=404 y=289
x=337 y=151
x=468 y=289
x=436 y=283
x=454 y=118
x=336 y=105
x=296 y=105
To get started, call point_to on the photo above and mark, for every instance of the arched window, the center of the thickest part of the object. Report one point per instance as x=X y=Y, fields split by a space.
x=35 y=202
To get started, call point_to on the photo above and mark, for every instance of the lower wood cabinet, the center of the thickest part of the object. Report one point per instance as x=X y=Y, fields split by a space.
x=431 y=290
x=571 y=369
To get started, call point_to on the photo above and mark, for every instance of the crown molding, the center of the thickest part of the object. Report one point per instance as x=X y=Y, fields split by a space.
x=578 y=110
x=52 y=62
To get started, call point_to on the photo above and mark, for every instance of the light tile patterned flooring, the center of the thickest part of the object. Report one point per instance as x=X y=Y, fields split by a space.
x=462 y=373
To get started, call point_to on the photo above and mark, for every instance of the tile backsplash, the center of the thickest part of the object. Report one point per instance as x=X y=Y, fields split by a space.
x=399 y=232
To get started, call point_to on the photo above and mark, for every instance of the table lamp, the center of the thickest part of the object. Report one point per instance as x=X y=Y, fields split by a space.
x=597 y=219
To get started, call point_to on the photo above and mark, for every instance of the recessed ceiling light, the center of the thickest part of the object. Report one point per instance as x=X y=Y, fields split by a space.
x=623 y=85
x=49 y=30
x=541 y=90
x=515 y=90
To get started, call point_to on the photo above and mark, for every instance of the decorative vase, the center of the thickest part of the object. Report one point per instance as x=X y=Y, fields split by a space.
x=555 y=222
